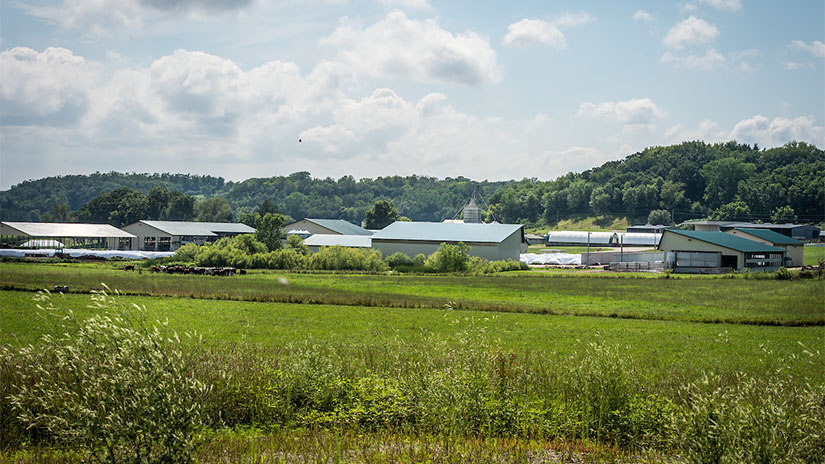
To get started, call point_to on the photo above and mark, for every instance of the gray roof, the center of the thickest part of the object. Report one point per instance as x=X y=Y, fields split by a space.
x=199 y=229
x=766 y=225
x=447 y=232
x=354 y=241
x=729 y=241
x=63 y=230
x=771 y=236
x=341 y=226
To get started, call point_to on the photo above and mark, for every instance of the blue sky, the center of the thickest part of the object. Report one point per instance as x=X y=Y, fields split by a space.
x=485 y=89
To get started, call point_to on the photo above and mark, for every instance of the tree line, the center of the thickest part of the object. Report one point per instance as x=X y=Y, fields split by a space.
x=692 y=180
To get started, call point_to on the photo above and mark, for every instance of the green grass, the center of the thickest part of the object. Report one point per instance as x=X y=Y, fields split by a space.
x=695 y=299
x=662 y=346
x=813 y=254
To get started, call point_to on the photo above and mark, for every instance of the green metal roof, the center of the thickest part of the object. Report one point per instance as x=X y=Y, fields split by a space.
x=724 y=240
x=447 y=232
x=771 y=236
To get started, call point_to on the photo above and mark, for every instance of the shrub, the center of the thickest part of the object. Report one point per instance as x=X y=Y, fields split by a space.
x=450 y=258
x=398 y=259
x=188 y=252
x=338 y=258
x=114 y=387
x=296 y=243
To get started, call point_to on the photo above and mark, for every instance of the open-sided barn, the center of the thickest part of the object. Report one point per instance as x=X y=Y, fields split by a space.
x=794 y=249
x=707 y=251
x=70 y=235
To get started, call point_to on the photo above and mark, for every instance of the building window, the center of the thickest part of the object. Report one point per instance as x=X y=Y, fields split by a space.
x=149 y=243
x=164 y=243
x=696 y=259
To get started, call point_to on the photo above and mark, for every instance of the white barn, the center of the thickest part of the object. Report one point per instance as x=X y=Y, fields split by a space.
x=170 y=235
x=489 y=241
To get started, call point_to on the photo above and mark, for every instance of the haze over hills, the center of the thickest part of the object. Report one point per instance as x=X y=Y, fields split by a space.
x=689 y=180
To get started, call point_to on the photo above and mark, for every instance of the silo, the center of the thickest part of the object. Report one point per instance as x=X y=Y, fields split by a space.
x=472 y=212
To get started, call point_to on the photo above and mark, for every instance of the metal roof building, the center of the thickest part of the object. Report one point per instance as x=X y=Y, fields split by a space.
x=170 y=235
x=325 y=226
x=315 y=242
x=707 y=251
x=489 y=241
x=72 y=235
x=639 y=239
x=794 y=249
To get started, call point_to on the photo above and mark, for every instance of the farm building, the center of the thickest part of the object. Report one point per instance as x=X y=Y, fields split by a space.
x=794 y=249
x=315 y=242
x=692 y=251
x=170 y=235
x=795 y=231
x=577 y=238
x=324 y=226
x=488 y=241
x=639 y=239
x=69 y=235
x=646 y=229
x=533 y=239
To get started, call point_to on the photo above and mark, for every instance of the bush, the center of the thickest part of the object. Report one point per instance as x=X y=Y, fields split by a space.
x=188 y=252
x=338 y=258
x=113 y=387
x=398 y=259
x=450 y=258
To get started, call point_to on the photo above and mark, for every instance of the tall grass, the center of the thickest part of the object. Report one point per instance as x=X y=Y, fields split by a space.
x=469 y=387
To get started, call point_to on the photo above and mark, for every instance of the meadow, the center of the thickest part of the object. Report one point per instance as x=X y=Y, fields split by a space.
x=518 y=367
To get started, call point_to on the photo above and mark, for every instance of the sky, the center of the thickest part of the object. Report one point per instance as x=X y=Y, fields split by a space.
x=483 y=89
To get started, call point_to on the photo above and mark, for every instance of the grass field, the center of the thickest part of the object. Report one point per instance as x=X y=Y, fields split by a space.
x=766 y=302
x=592 y=365
x=813 y=254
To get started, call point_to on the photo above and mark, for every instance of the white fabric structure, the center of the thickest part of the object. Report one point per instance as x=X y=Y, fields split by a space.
x=577 y=238
x=639 y=239
x=550 y=258
x=78 y=252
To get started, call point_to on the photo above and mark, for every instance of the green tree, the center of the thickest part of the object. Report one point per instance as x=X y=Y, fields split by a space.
x=659 y=217
x=600 y=200
x=722 y=179
x=214 y=210
x=783 y=214
x=296 y=243
x=733 y=211
x=382 y=214
x=450 y=258
x=268 y=230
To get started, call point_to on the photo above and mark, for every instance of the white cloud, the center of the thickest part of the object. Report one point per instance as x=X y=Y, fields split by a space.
x=637 y=111
x=815 y=48
x=410 y=5
x=105 y=18
x=796 y=65
x=690 y=32
x=577 y=158
x=44 y=88
x=529 y=31
x=643 y=16
x=779 y=131
x=401 y=48
x=710 y=60
x=707 y=131
x=728 y=5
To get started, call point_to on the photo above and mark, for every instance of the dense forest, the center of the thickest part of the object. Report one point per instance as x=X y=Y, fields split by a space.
x=687 y=181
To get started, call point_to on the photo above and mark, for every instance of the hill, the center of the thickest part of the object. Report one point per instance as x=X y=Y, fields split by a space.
x=686 y=181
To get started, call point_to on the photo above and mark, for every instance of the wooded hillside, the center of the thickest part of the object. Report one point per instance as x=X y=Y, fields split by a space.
x=690 y=180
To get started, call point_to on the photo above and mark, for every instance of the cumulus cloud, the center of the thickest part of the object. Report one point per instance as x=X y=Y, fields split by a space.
x=643 y=16
x=689 y=32
x=411 y=5
x=709 y=60
x=578 y=158
x=728 y=5
x=44 y=88
x=104 y=18
x=778 y=131
x=398 y=47
x=529 y=31
x=637 y=111
x=815 y=48
x=796 y=65
x=707 y=131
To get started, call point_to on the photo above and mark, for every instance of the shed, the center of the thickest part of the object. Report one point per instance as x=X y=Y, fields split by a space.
x=71 y=235
x=795 y=231
x=646 y=229
x=578 y=238
x=489 y=241
x=170 y=235
x=326 y=226
x=315 y=242
x=693 y=251
x=794 y=249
